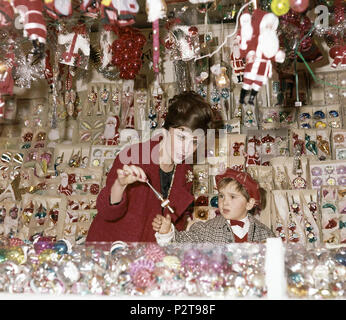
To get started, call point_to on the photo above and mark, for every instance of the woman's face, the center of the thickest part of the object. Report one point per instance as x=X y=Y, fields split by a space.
x=232 y=203
x=182 y=144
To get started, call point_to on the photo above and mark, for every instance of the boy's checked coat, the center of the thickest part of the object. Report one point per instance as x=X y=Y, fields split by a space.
x=218 y=230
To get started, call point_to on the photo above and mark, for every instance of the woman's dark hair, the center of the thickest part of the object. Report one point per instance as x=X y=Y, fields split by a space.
x=189 y=109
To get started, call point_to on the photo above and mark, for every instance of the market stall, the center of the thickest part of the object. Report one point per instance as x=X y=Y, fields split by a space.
x=82 y=80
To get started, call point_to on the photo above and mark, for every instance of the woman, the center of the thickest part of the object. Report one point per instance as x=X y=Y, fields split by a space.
x=126 y=205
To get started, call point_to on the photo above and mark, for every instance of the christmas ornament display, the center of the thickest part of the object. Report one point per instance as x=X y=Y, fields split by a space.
x=127 y=52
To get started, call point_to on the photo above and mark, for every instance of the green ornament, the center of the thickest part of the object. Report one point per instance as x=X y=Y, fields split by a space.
x=2 y=255
x=310 y=145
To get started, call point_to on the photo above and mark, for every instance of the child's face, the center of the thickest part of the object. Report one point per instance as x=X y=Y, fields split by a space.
x=232 y=204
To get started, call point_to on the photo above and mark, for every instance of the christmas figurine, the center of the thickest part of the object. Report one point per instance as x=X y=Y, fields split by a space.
x=64 y=186
x=238 y=65
x=111 y=133
x=34 y=23
x=259 y=44
x=119 y=12
x=252 y=156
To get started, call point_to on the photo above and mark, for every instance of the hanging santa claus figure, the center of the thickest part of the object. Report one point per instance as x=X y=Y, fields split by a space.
x=237 y=61
x=111 y=133
x=259 y=45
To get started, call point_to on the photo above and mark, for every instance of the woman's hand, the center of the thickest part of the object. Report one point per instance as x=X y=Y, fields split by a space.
x=130 y=174
x=162 y=224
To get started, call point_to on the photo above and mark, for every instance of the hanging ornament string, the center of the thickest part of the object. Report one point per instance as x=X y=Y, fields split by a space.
x=55 y=93
x=156 y=46
x=254 y=2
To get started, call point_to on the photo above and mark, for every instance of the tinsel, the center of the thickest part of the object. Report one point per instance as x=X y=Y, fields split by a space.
x=337 y=30
x=95 y=60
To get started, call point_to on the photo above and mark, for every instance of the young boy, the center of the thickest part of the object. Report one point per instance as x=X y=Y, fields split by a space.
x=238 y=196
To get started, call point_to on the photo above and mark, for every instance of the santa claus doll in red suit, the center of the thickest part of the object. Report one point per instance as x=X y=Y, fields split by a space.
x=259 y=45
x=252 y=155
x=64 y=186
x=111 y=133
x=237 y=61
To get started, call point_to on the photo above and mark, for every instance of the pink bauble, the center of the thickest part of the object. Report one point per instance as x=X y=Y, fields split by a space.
x=143 y=279
x=299 y=5
x=154 y=252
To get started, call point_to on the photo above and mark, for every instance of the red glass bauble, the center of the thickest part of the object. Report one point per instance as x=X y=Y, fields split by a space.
x=131 y=74
x=130 y=44
x=123 y=75
x=140 y=40
x=305 y=24
x=169 y=44
x=136 y=53
x=117 y=60
x=117 y=45
x=137 y=64
x=193 y=30
x=335 y=51
x=126 y=55
x=306 y=44
x=123 y=67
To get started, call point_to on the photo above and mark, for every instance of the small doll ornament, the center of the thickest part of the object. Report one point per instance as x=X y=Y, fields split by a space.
x=64 y=186
x=268 y=142
x=238 y=65
x=238 y=148
x=111 y=133
x=252 y=156
x=259 y=45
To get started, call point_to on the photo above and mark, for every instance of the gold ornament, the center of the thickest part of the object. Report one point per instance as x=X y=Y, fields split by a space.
x=323 y=145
